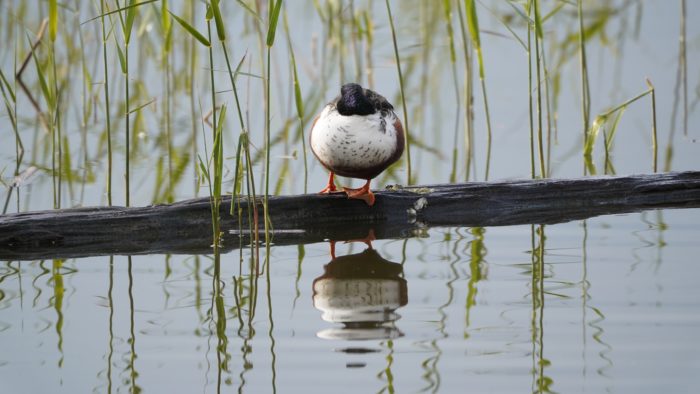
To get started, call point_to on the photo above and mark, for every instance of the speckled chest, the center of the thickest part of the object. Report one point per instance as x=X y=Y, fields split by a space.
x=354 y=143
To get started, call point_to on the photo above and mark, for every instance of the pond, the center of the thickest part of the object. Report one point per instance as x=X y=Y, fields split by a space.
x=609 y=303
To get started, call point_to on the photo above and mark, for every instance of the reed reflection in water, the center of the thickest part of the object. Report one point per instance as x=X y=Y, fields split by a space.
x=574 y=307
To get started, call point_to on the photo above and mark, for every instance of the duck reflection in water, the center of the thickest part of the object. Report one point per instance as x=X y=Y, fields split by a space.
x=361 y=291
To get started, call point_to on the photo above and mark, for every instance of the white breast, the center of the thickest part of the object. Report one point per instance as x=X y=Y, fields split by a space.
x=353 y=141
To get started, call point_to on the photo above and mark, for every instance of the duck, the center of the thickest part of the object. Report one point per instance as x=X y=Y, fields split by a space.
x=357 y=135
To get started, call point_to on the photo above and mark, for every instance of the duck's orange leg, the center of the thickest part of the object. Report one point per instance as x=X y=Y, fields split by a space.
x=362 y=193
x=330 y=188
x=366 y=240
x=332 y=249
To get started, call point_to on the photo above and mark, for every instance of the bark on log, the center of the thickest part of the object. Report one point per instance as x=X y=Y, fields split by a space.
x=185 y=227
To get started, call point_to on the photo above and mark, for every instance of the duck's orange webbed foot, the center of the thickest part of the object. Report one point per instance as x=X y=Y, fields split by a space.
x=330 y=187
x=362 y=193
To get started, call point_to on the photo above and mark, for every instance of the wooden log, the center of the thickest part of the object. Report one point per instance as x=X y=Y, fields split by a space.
x=185 y=227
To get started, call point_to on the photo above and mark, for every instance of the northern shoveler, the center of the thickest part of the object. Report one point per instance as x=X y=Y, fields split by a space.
x=357 y=135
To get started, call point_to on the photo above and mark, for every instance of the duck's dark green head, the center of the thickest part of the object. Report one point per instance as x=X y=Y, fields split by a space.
x=354 y=101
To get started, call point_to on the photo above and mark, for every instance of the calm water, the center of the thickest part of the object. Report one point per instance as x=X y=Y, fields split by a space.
x=610 y=304
x=448 y=312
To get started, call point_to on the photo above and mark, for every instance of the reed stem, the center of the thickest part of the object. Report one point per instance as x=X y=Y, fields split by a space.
x=409 y=179
x=128 y=131
x=654 y=143
x=529 y=89
x=585 y=89
x=538 y=38
x=107 y=107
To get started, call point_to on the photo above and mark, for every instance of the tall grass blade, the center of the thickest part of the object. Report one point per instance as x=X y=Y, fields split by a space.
x=298 y=100
x=107 y=107
x=237 y=176
x=654 y=142
x=250 y=10
x=601 y=121
x=613 y=128
x=53 y=19
x=217 y=151
x=473 y=25
x=585 y=89
x=468 y=94
x=409 y=179
x=218 y=20
x=118 y=10
x=45 y=90
x=190 y=29
x=272 y=27
x=7 y=86
x=130 y=15
x=273 y=18
x=538 y=38
x=127 y=26
x=232 y=75
x=447 y=14
x=217 y=136
x=684 y=66
x=122 y=58
x=531 y=118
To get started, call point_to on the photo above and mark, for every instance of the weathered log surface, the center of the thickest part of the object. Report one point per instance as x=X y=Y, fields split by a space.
x=185 y=227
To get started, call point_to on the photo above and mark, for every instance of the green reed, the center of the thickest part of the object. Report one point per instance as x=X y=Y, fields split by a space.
x=273 y=18
x=447 y=14
x=10 y=101
x=397 y=57
x=189 y=70
x=47 y=88
x=680 y=90
x=86 y=113
x=654 y=140
x=477 y=254
x=127 y=23
x=585 y=88
x=355 y=29
x=683 y=58
x=215 y=179
x=531 y=117
x=468 y=95
x=243 y=142
x=473 y=25
x=56 y=140
x=166 y=53
x=538 y=60
x=57 y=302
x=368 y=32
x=106 y=97
x=217 y=148
x=540 y=382
x=603 y=120
x=298 y=99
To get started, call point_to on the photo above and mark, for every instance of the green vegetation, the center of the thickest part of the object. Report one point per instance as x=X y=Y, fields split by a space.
x=277 y=91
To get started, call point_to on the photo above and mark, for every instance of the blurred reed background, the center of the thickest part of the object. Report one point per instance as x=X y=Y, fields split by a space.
x=125 y=103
